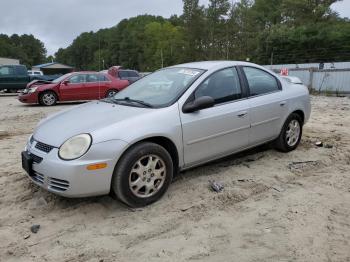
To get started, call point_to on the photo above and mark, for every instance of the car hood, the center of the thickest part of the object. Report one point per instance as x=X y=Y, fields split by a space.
x=42 y=84
x=85 y=118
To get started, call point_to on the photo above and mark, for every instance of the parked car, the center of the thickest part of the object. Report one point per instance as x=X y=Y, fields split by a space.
x=35 y=73
x=124 y=74
x=133 y=143
x=72 y=87
x=15 y=77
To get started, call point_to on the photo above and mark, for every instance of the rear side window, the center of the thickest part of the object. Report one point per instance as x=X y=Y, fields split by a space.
x=133 y=74
x=223 y=86
x=103 y=78
x=260 y=82
x=123 y=74
x=92 y=78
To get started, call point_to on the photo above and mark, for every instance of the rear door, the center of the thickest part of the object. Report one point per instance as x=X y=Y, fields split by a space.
x=96 y=85
x=219 y=130
x=75 y=89
x=267 y=105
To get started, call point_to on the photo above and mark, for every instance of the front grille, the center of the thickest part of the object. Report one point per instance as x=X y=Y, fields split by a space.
x=58 y=184
x=43 y=147
x=36 y=159
x=38 y=178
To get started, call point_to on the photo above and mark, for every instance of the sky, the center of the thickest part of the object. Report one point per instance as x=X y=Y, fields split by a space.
x=58 y=22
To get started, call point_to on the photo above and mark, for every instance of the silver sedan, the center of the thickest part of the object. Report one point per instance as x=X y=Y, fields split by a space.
x=179 y=117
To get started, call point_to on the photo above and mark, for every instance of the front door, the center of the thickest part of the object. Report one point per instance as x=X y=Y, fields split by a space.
x=219 y=130
x=74 y=89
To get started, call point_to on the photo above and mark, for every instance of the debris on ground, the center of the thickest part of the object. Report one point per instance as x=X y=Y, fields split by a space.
x=302 y=164
x=319 y=144
x=26 y=236
x=278 y=188
x=216 y=186
x=328 y=146
x=35 y=228
x=245 y=180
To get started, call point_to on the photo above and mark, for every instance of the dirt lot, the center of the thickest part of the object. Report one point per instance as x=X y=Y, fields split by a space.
x=272 y=208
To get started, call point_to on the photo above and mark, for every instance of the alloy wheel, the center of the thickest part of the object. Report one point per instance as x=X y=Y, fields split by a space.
x=48 y=99
x=147 y=176
x=293 y=133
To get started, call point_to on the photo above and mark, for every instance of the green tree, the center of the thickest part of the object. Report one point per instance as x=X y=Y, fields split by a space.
x=163 y=46
x=29 y=50
x=218 y=31
x=195 y=31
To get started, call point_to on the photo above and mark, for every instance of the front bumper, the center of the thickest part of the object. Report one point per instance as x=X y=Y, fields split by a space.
x=31 y=98
x=72 y=178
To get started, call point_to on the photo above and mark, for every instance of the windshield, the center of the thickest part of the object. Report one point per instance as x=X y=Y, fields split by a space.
x=61 y=78
x=161 y=88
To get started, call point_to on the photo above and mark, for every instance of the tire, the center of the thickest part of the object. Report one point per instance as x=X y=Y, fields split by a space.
x=289 y=138
x=47 y=98
x=137 y=184
x=111 y=92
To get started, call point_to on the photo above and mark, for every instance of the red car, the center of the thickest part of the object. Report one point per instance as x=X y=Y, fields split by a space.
x=72 y=87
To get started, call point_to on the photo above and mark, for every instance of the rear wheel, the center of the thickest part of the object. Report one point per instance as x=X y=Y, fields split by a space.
x=290 y=135
x=143 y=174
x=111 y=93
x=48 y=98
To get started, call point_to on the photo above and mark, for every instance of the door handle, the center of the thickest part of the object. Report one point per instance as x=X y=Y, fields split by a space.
x=242 y=114
x=283 y=103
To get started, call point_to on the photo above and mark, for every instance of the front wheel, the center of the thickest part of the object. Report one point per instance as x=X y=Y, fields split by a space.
x=143 y=174
x=290 y=135
x=48 y=98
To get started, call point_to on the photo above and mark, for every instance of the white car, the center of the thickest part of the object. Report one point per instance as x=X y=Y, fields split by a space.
x=171 y=120
x=35 y=73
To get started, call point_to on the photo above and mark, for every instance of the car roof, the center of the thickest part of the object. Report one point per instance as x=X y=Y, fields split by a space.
x=207 y=65
x=86 y=72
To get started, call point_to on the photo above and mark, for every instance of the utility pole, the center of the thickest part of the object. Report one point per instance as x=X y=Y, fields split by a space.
x=161 y=57
x=271 y=59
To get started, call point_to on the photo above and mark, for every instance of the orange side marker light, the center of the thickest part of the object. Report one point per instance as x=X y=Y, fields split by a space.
x=96 y=166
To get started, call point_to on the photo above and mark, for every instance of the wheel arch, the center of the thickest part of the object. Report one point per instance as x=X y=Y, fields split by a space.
x=300 y=113
x=163 y=141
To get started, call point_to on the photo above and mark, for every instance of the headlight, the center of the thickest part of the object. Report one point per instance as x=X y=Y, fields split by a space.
x=32 y=89
x=75 y=147
x=29 y=142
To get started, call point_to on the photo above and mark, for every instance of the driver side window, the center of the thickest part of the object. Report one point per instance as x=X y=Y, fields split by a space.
x=223 y=86
x=77 y=79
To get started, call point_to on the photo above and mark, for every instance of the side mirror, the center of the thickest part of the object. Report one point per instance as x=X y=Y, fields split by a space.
x=65 y=82
x=198 y=104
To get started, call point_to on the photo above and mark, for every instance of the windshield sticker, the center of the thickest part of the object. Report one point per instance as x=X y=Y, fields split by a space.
x=188 y=72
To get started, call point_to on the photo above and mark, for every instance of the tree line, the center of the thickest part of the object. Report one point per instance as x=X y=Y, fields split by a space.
x=260 y=31
x=29 y=50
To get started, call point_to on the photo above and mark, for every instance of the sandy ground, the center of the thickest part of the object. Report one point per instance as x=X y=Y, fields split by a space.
x=272 y=208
